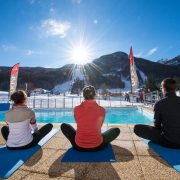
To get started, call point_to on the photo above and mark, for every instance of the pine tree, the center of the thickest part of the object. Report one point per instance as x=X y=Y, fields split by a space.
x=150 y=84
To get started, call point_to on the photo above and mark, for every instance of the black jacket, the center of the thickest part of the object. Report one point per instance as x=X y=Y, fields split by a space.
x=167 y=117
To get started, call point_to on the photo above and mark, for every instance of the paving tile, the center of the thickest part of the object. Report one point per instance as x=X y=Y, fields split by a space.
x=134 y=161
x=70 y=170
x=36 y=161
x=2 y=141
x=124 y=148
x=118 y=125
x=128 y=169
x=35 y=176
x=135 y=137
x=104 y=171
x=57 y=143
x=18 y=175
x=59 y=134
x=156 y=168
x=125 y=136
x=51 y=165
x=143 y=149
x=131 y=127
x=124 y=129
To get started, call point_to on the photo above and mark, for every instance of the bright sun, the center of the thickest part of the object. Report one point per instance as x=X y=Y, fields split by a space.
x=80 y=54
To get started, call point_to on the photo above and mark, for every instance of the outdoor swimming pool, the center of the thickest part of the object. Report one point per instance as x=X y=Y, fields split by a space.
x=113 y=116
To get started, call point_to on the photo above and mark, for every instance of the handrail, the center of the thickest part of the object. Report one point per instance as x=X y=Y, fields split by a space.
x=55 y=102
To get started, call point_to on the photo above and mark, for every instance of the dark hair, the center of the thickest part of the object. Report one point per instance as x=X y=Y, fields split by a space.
x=89 y=92
x=19 y=97
x=169 y=84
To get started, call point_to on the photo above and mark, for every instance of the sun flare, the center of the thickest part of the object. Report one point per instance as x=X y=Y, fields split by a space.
x=80 y=54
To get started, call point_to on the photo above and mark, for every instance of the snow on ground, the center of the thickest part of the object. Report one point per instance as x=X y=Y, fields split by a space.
x=115 y=90
x=76 y=74
x=127 y=84
x=44 y=101
x=143 y=76
x=72 y=101
x=3 y=94
x=60 y=88
x=108 y=74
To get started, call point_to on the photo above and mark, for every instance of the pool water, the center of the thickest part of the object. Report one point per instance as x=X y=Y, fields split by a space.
x=113 y=116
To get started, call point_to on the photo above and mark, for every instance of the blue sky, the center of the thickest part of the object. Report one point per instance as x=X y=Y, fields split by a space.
x=44 y=32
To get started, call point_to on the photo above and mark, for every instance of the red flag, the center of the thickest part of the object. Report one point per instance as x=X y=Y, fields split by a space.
x=131 y=56
x=13 y=79
x=15 y=69
x=133 y=74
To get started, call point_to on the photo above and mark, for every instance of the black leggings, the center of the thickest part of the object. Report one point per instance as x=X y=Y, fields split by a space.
x=154 y=134
x=108 y=136
x=37 y=136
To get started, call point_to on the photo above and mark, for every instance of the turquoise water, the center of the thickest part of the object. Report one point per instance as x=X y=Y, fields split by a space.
x=113 y=116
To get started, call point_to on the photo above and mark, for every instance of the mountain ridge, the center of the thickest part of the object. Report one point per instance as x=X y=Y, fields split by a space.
x=110 y=69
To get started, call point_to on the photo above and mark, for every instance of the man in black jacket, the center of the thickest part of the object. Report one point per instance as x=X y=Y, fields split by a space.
x=166 y=129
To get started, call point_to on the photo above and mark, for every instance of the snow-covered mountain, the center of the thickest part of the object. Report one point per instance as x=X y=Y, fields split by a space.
x=172 y=62
x=162 y=61
x=111 y=69
x=77 y=73
x=175 y=61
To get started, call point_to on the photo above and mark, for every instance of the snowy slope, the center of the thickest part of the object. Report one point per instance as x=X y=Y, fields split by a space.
x=60 y=88
x=77 y=73
x=126 y=83
x=143 y=76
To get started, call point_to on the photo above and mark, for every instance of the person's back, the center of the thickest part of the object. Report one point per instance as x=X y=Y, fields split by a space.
x=20 y=121
x=166 y=129
x=169 y=108
x=89 y=117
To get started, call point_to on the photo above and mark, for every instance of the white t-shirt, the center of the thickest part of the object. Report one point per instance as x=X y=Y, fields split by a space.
x=21 y=121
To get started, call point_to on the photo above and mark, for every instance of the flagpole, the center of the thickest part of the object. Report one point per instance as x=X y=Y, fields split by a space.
x=130 y=64
x=16 y=72
x=133 y=74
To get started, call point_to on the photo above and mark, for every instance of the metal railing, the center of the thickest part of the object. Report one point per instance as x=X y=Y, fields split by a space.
x=58 y=102
x=153 y=97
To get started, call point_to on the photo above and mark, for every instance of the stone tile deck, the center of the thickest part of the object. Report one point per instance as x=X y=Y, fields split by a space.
x=134 y=161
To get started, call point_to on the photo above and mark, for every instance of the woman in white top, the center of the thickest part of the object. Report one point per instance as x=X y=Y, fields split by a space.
x=21 y=122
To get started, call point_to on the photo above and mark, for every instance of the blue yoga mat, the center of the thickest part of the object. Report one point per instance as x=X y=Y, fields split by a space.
x=11 y=160
x=104 y=155
x=4 y=106
x=171 y=156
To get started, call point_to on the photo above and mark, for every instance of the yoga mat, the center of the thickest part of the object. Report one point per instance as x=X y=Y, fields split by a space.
x=104 y=155
x=171 y=156
x=4 y=106
x=11 y=160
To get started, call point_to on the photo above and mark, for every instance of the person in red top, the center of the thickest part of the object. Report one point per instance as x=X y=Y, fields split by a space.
x=89 y=117
x=141 y=96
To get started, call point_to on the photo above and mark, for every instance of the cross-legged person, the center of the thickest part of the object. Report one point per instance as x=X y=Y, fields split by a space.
x=166 y=129
x=89 y=117
x=21 y=122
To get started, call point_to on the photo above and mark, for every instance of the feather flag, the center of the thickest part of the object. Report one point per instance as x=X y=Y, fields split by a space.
x=133 y=74
x=13 y=79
